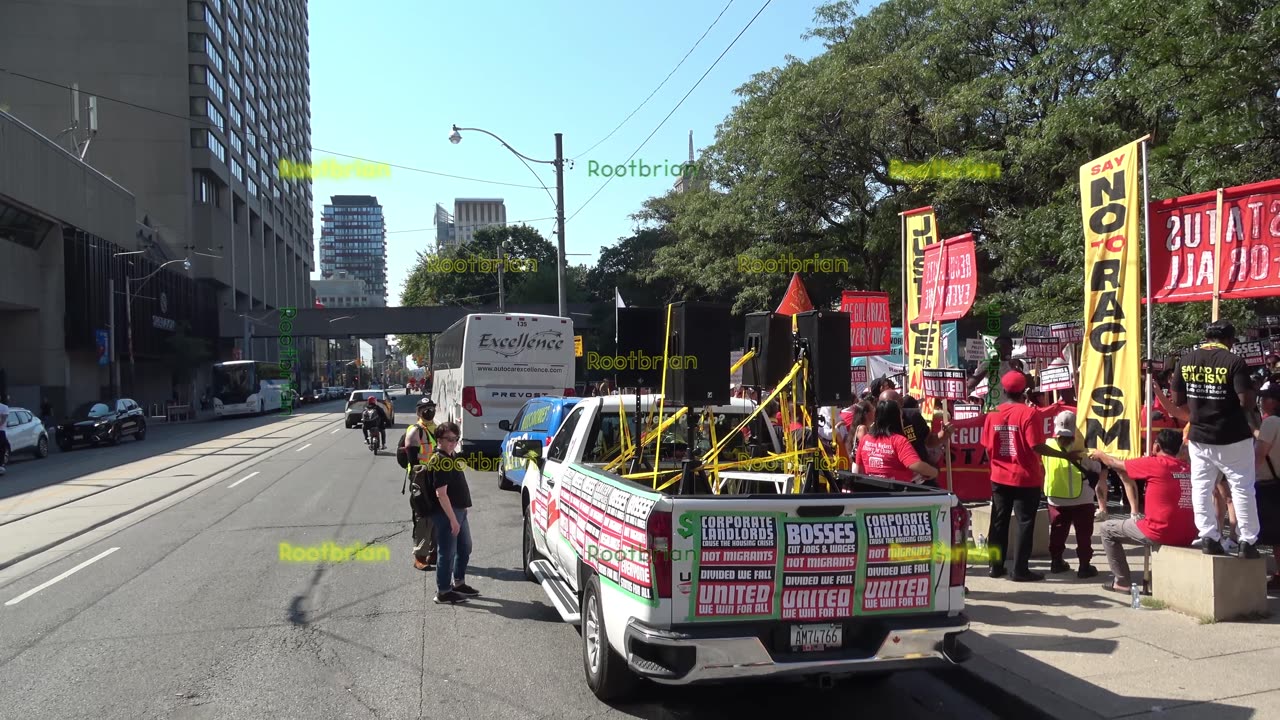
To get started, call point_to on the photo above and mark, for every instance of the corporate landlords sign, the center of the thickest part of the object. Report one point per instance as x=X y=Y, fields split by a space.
x=923 y=340
x=1110 y=365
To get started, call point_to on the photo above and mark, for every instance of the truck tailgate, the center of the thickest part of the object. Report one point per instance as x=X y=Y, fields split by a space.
x=807 y=559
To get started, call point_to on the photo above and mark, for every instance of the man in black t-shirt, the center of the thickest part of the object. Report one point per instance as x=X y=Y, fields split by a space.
x=1214 y=382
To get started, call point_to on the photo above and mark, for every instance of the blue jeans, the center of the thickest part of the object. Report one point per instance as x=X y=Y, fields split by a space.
x=453 y=552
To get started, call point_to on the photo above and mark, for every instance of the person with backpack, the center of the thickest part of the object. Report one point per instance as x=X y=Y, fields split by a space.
x=415 y=448
x=374 y=420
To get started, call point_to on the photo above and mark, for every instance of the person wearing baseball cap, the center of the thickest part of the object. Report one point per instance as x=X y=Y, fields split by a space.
x=1013 y=436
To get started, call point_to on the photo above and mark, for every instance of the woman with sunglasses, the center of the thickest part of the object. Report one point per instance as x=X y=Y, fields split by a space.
x=453 y=535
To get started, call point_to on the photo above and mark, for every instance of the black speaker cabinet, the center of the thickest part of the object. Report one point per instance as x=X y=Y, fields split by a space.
x=699 y=354
x=769 y=334
x=640 y=331
x=827 y=335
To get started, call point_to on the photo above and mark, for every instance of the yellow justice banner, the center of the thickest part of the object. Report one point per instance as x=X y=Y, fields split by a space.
x=1110 y=365
x=922 y=343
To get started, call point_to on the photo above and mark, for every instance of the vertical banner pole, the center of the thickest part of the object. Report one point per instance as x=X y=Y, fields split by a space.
x=1217 y=254
x=906 y=327
x=1151 y=304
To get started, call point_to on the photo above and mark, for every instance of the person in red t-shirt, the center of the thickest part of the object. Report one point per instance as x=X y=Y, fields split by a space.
x=1168 y=519
x=1013 y=436
x=885 y=450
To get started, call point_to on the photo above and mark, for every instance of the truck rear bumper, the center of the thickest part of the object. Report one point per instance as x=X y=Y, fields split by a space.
x=680 y=657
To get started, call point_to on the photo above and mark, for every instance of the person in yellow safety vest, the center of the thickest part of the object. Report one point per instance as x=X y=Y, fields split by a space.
x=420 y=444
x=1069 y=486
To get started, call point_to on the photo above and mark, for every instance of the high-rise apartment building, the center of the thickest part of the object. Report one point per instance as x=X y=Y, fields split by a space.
x=195 y=103
x=238 y=71
x=353 y=240
x=469 y=215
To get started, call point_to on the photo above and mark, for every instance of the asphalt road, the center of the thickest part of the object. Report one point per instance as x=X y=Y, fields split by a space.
x=190 y=612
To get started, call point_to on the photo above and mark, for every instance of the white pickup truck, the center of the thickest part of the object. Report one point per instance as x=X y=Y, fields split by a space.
x=688 y=588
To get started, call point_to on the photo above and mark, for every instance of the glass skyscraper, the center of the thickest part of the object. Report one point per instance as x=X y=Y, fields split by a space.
x=353 y=238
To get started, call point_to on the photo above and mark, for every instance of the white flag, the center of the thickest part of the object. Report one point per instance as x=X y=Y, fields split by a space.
x=617 y=302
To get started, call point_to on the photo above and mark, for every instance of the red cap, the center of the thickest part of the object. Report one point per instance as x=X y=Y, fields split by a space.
x=1013 y=382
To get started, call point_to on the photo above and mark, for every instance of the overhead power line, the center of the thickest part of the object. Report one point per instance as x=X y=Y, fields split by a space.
x=664 y=82
x=673 y=110
x=250 y=133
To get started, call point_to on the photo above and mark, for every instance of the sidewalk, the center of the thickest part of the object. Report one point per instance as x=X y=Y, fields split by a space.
x=1074 y=650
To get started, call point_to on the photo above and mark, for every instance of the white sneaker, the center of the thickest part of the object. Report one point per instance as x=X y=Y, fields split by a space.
x=2 y=470
x=1101 y=516
x=1231 y=546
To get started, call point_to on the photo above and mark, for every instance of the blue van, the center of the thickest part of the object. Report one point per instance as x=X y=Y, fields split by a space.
x=537 y=420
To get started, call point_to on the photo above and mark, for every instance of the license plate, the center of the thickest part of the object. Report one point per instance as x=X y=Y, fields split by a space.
x=814 y=638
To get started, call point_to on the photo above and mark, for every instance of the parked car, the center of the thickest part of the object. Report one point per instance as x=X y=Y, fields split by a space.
x=98 y=422
x=26 y=433
x=359 y=398
x=538 y=419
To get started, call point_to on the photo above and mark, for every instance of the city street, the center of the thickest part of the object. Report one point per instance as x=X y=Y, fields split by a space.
x=185 y=609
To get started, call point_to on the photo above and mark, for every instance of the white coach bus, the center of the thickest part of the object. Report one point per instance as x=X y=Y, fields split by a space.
x=487 y=365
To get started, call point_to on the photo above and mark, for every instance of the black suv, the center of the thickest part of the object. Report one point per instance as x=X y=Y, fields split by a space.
x=98 y=422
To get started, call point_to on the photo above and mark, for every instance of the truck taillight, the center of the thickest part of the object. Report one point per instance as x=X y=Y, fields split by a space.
x=546 y=442
x=959 y=544
x=470 y=403
x=568 y=392
x=658 y=531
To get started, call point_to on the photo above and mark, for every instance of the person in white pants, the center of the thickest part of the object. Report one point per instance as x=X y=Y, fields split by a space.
x=1214 y=383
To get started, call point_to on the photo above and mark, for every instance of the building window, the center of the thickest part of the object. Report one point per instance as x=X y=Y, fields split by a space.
x=235 y=60
x=235 y=143
x=204 y=190
x=236 y=171
x=252 y=187
x=253 y=162
x=212 y=21
x=214 y=85
x=235 y=116
x=213 y=53
x=235 y=89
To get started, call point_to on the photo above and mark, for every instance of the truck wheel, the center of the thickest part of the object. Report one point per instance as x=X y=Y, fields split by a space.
x=607 y=673
x=529 y=549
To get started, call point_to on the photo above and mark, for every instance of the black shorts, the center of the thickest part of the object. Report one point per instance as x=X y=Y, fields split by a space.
x=1268 y=497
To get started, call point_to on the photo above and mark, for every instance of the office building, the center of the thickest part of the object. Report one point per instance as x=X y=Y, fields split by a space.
x=446 y=229
x=239 y=73
x=469 y=215
x=188 y=107
x=353 y=240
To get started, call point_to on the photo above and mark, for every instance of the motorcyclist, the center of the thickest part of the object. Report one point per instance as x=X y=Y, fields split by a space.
x=374 y=417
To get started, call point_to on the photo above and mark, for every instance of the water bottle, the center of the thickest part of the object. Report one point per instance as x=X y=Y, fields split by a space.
x=1135 y=593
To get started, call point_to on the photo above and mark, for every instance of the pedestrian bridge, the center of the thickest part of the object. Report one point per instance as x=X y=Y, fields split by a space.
x=367 y=322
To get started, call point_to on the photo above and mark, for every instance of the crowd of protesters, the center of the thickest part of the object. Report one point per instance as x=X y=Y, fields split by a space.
x=1208 y=479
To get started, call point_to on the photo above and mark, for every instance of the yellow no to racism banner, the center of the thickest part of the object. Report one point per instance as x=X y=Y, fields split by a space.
x=922 y=343
x=1110 y=365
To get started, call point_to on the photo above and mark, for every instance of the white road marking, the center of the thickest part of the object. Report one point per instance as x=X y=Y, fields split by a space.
x=246 y=477
x=304 y=447
x=335 y=430
x=61 y=577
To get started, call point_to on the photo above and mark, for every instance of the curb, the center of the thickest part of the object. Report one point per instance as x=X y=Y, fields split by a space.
x=1008 y=694
x=219 y=476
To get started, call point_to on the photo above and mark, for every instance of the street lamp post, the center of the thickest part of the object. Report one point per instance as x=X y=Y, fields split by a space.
x=456 y=137
x=128 y=314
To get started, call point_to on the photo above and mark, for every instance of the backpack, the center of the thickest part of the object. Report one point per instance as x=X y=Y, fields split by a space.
x=402 y=453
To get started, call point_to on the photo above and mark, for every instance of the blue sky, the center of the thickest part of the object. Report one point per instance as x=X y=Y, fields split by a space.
x=389 y=79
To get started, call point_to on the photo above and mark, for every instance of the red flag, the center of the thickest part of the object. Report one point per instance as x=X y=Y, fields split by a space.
x=796 y=300
x=950 y=281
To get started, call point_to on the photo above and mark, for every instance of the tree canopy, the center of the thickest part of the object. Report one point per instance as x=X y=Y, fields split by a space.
x=1039 y=87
